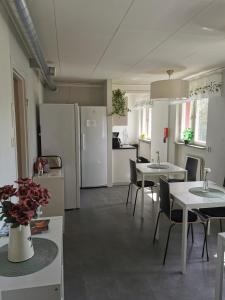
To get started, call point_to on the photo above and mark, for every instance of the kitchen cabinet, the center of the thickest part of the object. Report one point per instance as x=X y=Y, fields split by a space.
x=54 y=182
x=121 y=165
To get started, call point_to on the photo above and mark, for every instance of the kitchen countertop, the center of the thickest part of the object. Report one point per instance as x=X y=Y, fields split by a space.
x=124 y=147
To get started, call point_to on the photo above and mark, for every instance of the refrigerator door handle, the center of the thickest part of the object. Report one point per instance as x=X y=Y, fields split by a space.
x=83 y=142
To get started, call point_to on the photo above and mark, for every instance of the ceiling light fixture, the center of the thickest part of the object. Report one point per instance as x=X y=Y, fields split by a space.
x=170 y=89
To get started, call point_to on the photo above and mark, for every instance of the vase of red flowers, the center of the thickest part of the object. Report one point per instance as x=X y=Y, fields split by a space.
x=18 y=205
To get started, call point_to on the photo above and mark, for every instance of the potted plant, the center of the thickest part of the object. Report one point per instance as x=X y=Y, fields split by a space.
x=119 y=103
x=188 y=135
x=18 y=205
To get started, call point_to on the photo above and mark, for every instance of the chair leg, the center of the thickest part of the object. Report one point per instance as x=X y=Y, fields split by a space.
x=188 y=230
x=167 y=243
x=205 y=244
x=156 y=226
x=221 y=226
x=135 y=201
x=192 y=233
x=128 y=193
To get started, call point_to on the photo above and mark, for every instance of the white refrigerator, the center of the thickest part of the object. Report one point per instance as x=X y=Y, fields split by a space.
x=60 y=135
x=93 y=146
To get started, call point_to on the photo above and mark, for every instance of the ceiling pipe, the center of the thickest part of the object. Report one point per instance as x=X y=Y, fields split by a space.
x=21 y=17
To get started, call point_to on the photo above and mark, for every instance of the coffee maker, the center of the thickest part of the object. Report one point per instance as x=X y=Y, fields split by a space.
x=116 y=142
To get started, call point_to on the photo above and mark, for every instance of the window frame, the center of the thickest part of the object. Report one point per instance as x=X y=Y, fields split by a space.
x=148 y=122
x=192 y=121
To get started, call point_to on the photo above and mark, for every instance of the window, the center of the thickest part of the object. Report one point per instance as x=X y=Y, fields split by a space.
x=194 y=115
x=145 y=122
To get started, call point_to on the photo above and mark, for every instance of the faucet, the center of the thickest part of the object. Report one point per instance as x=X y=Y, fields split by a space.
x=158 y=157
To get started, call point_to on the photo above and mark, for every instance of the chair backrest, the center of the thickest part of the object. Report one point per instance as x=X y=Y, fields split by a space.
x=164 y=193
x=191 y=167
x=142 y=159
x=133 y=172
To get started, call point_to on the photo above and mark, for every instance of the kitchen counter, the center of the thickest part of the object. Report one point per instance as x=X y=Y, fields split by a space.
x=124 y=147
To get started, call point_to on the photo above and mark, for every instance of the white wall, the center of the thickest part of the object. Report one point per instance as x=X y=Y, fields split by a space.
x=129 y=134
x=85 y=94
x=215 y=159
x=159 y=122
x=13 y=57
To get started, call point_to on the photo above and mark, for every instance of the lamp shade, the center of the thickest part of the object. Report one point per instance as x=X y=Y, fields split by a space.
x=170 y=89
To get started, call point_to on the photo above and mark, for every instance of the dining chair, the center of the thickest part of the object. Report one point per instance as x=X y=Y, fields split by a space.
x=214 y=212
x=175 y=216
x=191 y=167
x=134 y=181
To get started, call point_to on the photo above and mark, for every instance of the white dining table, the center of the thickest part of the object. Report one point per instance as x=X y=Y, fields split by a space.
x=145 y=170
x=187 y=200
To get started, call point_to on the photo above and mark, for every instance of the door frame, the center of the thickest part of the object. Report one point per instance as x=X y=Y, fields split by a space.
x=20 y=124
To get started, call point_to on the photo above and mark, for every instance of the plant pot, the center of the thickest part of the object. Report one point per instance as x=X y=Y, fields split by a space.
x=20 y=247
x=186 y=142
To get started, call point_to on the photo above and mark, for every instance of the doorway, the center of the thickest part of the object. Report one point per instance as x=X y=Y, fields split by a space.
x=20 y=107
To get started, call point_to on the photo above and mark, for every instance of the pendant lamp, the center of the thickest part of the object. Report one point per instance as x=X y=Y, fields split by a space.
x=170 y=89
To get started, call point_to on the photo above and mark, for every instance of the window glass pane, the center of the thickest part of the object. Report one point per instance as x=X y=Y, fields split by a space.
x=201 y=116
x=186 y=117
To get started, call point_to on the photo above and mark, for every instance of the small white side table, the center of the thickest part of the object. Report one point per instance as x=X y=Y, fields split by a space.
x=220 y=266
x=54 y=182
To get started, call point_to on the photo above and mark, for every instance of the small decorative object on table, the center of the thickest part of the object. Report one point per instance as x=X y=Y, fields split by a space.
x=158 y=157
x=18 y=205
x=205 y=182
x=188 y=135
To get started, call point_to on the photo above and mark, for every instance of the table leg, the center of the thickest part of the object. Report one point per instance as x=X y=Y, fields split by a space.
x=131 y=193
x=142 y=196
x=219 y=269
x=184 y=241
x=208 y=229
x=185 y=176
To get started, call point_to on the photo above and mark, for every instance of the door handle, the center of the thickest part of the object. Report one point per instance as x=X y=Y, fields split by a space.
x=83 y=142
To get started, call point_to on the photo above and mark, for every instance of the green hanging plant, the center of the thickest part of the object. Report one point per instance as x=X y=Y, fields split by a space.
x=188 y=135
x=119 y=103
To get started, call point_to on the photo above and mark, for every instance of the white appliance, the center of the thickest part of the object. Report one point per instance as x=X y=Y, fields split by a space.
x=93 y=146
x=60 y=135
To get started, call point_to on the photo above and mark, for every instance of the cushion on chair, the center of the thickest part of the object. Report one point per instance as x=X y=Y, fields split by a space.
x=177 y=216
x=175 y=180
x=213 y=212
x=148 y=183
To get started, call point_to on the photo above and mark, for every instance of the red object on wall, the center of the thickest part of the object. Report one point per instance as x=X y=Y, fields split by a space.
x=166 y=132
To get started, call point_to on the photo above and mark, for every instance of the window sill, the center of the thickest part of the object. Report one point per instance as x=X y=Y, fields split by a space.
x=192 y=145
x=145 y=141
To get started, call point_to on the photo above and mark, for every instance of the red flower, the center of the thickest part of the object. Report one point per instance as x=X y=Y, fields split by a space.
x=30 y=197
x=6 y=192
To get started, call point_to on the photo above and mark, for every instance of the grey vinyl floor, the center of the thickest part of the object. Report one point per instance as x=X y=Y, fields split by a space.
x=109 y=254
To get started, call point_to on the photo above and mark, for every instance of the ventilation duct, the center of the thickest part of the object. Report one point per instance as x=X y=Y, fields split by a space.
x=19 y=13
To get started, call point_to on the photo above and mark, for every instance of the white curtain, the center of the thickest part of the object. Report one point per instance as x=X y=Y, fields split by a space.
x=206 y=86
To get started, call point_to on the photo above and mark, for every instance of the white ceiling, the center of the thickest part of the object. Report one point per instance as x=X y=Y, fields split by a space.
x=130 y=41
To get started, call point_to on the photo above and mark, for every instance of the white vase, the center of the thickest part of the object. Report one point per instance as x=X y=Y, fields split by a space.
x=20 y=247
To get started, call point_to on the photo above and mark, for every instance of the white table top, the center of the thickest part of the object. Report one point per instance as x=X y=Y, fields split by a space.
x=172 y=169
x=51 y=275
x=180 y=191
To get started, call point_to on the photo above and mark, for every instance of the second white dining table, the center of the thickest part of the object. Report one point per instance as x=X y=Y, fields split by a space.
x=152 y=170
x=182 y=193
